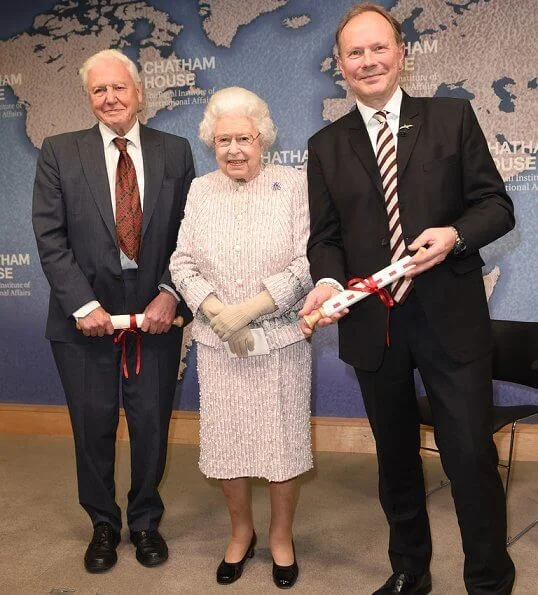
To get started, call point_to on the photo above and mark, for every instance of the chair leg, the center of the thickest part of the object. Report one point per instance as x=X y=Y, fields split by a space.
x=512 y=540
x=442 y=484
x=510 y=454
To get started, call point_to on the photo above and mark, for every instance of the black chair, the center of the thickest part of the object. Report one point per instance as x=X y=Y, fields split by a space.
x=515 y=360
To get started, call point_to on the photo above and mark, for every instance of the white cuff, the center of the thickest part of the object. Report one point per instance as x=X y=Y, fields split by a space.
x=167 y=288
x=332 y=282
x=86 y=309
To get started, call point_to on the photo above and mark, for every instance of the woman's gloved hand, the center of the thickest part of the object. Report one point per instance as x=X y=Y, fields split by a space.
x=211 y=306
x=236 y=316
x=241 y=342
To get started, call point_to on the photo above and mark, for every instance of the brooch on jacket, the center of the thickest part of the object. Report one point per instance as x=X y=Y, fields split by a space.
x=276 y=186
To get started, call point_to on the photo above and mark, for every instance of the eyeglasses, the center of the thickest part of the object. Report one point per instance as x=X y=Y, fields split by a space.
x=243 y=140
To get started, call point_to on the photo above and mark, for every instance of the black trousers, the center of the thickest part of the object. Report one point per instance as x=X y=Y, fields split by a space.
x=461 y=403
x=92 y=381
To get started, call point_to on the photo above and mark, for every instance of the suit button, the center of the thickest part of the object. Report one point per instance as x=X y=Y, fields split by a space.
x=385 y=242
x=239 y=281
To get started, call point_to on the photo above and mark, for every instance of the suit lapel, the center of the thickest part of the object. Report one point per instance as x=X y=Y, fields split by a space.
x=410 y=123
x=153 y=156
x=92 y=156
x=361 y=144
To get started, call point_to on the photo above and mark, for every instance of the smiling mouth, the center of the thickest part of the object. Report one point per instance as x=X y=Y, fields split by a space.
x=236 y=161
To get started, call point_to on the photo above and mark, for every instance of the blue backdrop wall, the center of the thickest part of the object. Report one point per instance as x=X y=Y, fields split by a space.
x=283 y=50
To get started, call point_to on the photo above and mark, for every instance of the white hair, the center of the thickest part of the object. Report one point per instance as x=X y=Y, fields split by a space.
x=104 y=54
x=236 y=101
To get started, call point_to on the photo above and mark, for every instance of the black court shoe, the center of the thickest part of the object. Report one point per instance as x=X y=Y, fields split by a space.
x=285 y=577
x=229 y=572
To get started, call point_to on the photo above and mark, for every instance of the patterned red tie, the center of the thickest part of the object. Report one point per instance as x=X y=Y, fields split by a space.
x=128 y=210
x=386 y=159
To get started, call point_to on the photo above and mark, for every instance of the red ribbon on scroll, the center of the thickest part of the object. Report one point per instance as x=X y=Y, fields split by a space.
x=369 y=285
x=121 y=337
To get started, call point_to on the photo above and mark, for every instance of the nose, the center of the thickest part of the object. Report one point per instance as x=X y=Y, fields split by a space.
x=234 y=147
x=110 y=95
x=368 y=58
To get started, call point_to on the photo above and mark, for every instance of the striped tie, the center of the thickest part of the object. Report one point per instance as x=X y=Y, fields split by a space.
x=386 y=159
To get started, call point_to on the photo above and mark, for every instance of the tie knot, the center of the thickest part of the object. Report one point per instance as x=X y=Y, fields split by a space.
x=121 y=143
x=381 y=117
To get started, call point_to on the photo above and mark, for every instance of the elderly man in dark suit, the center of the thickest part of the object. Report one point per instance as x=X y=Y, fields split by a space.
x=396 y=175
x=106 y=211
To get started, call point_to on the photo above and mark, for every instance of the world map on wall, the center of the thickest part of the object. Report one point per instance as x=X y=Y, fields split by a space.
x=481 y=50
x=46 y=58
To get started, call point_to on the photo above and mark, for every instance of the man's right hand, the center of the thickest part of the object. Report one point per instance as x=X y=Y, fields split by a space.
x=96 y=324
x=314 y=300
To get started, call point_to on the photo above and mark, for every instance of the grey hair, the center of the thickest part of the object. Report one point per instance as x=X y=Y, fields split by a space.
x=116 y=55
x=236 y=101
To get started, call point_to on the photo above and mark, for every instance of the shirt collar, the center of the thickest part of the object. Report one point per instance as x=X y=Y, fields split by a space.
x=109 y=135
x=392 y=107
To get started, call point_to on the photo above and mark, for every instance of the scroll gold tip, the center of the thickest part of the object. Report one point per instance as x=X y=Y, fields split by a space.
x=178 y=321
x=313 y=318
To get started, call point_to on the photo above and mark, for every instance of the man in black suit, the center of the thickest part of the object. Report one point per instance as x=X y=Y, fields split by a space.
x=441 y=192
x=106 y=211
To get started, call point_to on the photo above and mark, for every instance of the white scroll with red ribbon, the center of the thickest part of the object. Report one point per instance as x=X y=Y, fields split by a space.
x=130 y=324
x=358 y=289
x=134 y=321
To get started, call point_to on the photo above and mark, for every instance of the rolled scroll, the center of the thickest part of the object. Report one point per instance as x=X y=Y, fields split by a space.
x=123 y=321
x=134 y=321
x=363 y=288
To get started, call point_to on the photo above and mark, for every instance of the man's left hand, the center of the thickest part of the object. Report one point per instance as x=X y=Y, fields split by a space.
x=437 y=243
x=159 y=314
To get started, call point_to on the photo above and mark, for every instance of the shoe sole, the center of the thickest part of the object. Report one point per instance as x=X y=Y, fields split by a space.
x=99 y=570
x=151 y=563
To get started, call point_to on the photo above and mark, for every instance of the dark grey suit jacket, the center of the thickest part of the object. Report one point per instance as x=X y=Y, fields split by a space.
x=446 y=176
x=74 y=223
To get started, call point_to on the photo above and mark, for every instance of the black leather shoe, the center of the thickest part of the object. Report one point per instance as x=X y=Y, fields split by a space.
x=285 y=577
x=229 y=572
x=403 y=582
x=151 y=548
x=101 y=553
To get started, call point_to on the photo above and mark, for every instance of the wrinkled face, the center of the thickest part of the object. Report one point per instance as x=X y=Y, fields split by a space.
x=370 y=59
x=239 y=160
x=114 y=96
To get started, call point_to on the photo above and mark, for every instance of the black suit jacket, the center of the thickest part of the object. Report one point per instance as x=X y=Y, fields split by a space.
x=446 y=176
x=75 y=230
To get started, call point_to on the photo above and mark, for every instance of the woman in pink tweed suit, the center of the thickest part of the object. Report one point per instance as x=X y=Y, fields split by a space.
x=241 y=266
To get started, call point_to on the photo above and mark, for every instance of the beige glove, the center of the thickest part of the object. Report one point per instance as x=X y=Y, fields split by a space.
x=211 y=306
x=241 y=342
x=236 y=316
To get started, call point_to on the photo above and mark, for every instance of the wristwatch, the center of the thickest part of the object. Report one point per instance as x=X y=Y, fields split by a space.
x=459 y=246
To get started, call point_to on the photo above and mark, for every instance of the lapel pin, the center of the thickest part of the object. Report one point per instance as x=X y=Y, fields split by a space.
x=276 y=186
x=402 y=131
